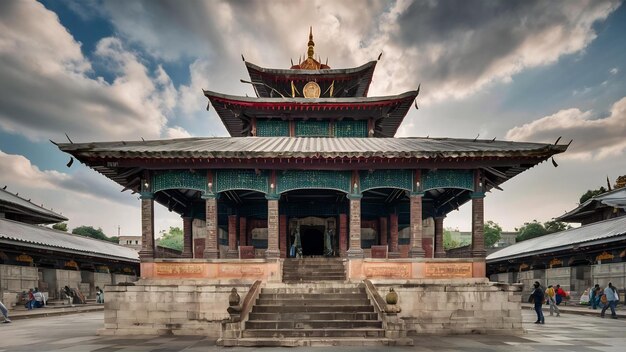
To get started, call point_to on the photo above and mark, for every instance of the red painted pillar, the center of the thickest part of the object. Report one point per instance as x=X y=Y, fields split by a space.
x=147 y=226
x=416 y=251
x=282 y=232
x=232 y=237
x=355 y=250
x=343 y=234
x=242 y=231
x=393 y=234
x=210 y=249
x=187 y=251
x=382 y=225
x=440 y=252
x=272 y=229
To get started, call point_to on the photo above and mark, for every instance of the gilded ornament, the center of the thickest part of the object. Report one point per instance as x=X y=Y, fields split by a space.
x=311 y=90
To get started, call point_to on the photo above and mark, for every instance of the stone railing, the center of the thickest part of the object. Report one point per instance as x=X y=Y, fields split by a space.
x=232 y=328
x=393 y=325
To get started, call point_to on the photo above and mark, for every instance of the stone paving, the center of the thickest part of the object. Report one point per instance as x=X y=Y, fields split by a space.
x=76 y=332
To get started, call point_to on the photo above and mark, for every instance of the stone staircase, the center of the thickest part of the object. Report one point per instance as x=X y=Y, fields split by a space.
x=313 y=314
x=313 y=270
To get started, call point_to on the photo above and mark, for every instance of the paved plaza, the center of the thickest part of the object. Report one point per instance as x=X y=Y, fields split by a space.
x=76 y=332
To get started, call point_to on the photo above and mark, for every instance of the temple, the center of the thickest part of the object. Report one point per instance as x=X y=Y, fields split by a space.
x=312 y=170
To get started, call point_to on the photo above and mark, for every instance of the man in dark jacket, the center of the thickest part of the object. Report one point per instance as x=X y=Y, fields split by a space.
x=537 y=298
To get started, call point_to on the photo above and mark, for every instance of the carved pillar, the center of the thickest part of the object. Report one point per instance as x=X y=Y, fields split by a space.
x=232 y=237
x=147 y=226
x=355 y=250
x=211 y=250
x=393 y=234
x=187 y=237
x=272 y=229
x=478 y=217
x=382 y=225
x=242 y=231
x=282 y=232
x=343 y=234
x=440 y=252
x=416 y=251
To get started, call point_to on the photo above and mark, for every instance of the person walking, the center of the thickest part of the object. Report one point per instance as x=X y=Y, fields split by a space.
x=550 y=293
x=611 y=299
x=537 y=297
x=5 y=313
x=594 y=299
x=99 y=295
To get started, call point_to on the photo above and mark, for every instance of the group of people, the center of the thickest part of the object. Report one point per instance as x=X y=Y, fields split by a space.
x=36 y=299
x=604 y=298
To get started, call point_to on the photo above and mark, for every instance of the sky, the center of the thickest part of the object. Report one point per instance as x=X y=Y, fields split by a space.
x=125 y=70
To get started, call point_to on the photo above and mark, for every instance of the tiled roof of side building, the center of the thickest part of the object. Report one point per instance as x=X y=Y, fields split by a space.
x=596 y=233
x=42 y=237
x=26 y=207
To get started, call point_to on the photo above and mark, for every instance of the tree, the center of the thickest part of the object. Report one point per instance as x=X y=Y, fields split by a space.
x=556 y=226
x=530 y=230
x=173 y=239
x=589 y=194
x=492 y=233
x=62 y=226
x=89 y=231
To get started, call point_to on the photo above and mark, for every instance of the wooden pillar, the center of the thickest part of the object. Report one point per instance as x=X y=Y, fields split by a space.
x=393 y=236
x=232 y=237
x=382 y=225
x=440 y=252
x=416 y=251
x=478 y=217
x=242 y=231
x=147 y=226
x=272 y=229
x=343 y=234
x=211 y=250
x=187 y=237
x=282 y=232
x=355 y=250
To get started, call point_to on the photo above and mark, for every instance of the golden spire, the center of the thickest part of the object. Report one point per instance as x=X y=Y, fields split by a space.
x=311 y=44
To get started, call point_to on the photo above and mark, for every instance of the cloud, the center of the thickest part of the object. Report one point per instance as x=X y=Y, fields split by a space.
x=594 y=137
x=614 y=71
x=47 y=86
x=177 y=132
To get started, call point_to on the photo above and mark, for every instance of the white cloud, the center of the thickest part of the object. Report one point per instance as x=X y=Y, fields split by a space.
x=85 y=197
x=593 y=137
x=614 y=71
x=177 y=132
x=47 y=85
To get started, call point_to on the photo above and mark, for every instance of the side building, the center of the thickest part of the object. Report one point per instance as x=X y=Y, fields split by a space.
x=576 y=259
x=32 y=255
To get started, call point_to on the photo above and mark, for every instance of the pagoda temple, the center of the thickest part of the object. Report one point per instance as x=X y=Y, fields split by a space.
x=312 y=169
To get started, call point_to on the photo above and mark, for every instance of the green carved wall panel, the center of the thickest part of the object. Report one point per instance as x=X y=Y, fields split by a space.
x=227 y=180
x=347 y=128
x=272 y=128
x=463 y=179
x=179 y=179
x=300 y=179
x=312 y=128
x=386 y=179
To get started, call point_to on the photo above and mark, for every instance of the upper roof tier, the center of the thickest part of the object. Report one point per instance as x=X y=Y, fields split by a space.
x=237 y=113
x=352 y=82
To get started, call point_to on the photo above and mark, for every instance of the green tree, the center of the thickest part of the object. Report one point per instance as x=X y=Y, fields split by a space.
x=492 y=232
x=530 y=230
x=589 y=194
x=172 y=239
x=555 y=226
x=89 y=231
x=62 y=226
x=448 y=241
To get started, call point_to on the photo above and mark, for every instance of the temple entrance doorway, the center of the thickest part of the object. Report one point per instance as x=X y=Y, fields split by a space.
x=312 y=238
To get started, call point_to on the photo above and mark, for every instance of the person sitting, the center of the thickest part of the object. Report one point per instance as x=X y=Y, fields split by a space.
x=30 y=303
x=560 y=294
x=69 y=295
x=99 y=295
x=40 y=299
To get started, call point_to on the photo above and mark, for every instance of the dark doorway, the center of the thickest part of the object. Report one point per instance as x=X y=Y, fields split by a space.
x=312 y=238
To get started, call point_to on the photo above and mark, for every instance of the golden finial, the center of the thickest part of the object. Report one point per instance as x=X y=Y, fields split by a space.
x=311 y=44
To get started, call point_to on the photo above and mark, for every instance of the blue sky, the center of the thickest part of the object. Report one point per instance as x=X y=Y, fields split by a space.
x=111 y=70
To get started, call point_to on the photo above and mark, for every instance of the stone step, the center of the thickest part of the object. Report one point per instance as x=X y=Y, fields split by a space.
x=312 y=296
x=315 y=260
x=275 y=308
x=322 y=303
x=280 y=333
x=314 y=316
x=305 y=271
x=311 y=342
x=312 y=324
x=309 y=278
x=319 y=288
